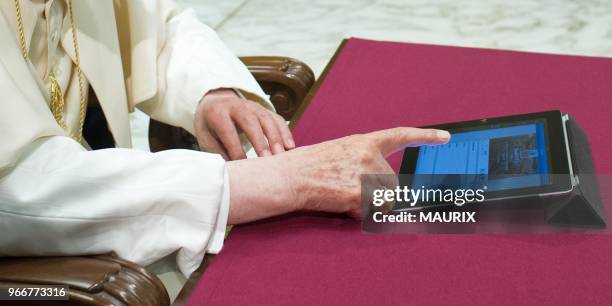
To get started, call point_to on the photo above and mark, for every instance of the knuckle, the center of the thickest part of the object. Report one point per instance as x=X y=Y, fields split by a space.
x=249 y=118
x=366 y=158
x=355 y=197
x=352 y=138
x=256 y=108
x=236 y=107
x=244 y=121
x=278 y=117
x=350 y=199
x=358 y=140
x=214 y=114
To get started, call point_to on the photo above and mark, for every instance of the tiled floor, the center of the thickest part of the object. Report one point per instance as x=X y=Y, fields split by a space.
x=311 y=30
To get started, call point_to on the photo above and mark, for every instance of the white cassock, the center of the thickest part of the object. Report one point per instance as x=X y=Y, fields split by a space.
x=58 y=198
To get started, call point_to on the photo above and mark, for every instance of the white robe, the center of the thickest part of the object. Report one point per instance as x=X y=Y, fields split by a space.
x=58 y=198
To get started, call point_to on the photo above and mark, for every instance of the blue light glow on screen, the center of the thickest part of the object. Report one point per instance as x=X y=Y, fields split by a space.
x=509 y=157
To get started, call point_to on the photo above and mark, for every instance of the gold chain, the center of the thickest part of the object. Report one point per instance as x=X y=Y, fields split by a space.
x=57 y=97
x=22 y=44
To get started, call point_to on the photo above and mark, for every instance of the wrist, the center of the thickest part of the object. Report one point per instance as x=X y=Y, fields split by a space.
x=220 y=93
x=259 y=188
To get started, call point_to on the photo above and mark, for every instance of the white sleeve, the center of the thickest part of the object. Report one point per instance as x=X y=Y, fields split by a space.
x=63 y=200
x=192 y=62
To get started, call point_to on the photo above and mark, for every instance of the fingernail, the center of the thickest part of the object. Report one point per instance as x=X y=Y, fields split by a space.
x=265 y=153
x=443 y=135
x=290 y=143
x=278 y=148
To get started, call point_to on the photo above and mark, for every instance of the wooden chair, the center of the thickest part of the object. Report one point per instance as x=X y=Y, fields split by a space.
x=109 y=280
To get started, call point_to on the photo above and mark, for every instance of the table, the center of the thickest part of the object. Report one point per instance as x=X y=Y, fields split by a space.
x=369 y=85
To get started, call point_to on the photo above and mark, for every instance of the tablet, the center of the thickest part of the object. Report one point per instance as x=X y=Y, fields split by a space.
x=514 y=156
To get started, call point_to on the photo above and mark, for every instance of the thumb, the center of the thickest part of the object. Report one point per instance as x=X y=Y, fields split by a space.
x=391 y=140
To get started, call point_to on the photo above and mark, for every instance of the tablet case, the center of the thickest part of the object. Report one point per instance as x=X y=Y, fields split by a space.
x=582 y=206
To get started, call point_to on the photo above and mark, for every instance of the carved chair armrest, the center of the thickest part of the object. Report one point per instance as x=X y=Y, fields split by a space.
x=92 y=280
x=286 y=80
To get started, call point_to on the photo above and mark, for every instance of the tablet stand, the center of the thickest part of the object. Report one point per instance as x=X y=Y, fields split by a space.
x=582 y=206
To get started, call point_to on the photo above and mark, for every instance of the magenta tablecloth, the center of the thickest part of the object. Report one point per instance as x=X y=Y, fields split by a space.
x=310 y=260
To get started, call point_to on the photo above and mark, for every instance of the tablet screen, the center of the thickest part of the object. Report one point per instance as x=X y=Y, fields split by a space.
x=510 y=156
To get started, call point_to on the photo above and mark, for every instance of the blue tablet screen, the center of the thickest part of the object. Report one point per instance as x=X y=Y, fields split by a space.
x=509 y=157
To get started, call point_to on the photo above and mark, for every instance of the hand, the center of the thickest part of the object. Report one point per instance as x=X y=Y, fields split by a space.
x=221 y=115
x=321 y=177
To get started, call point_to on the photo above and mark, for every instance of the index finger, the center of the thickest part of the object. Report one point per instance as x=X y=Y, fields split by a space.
x=391 y=140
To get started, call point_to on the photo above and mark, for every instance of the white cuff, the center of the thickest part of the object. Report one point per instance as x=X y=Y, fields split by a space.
x=218 y=236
